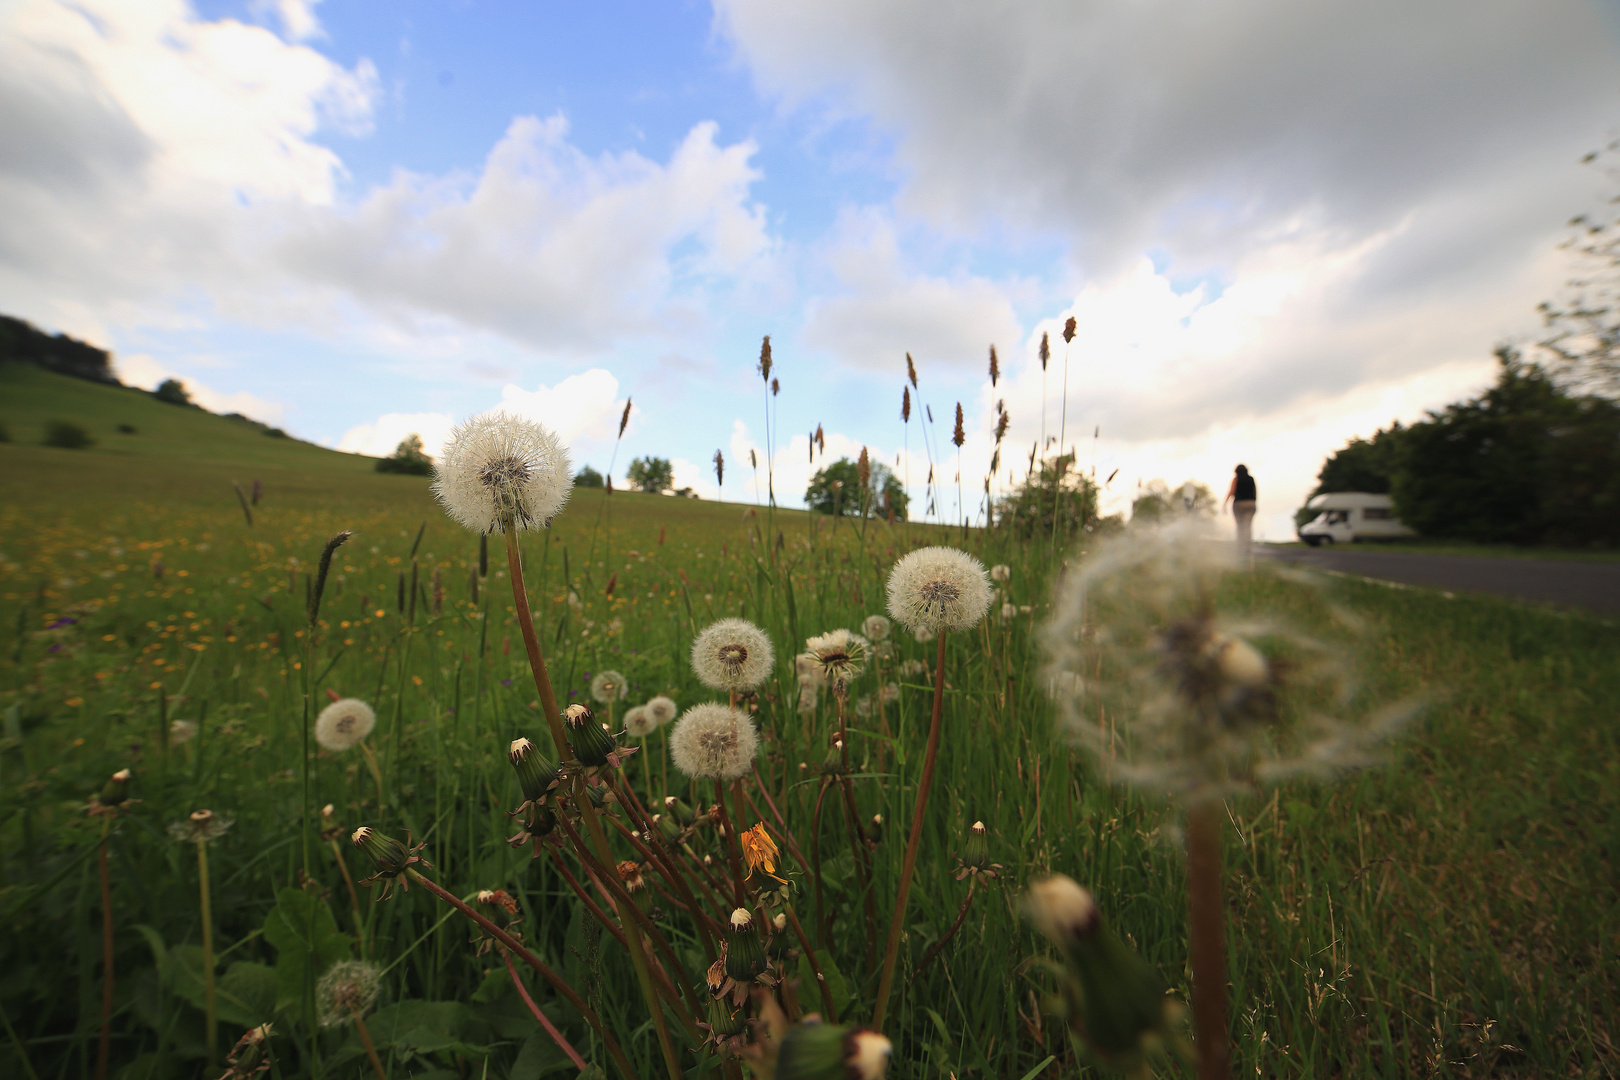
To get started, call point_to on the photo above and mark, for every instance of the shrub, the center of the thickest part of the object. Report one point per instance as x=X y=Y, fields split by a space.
x=126 y=429
x=66 y=435
x=408 y=458
x=172 y=391
x=587 y=477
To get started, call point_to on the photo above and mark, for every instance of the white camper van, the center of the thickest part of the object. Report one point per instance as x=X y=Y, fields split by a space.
x=1344 y=517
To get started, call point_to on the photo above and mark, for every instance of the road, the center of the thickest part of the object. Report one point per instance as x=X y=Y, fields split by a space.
x=1591 y=585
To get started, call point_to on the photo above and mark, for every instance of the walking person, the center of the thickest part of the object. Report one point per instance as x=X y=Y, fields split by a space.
x=1241 y=494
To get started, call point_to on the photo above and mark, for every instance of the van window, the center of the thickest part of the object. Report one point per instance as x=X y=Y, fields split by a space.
x=1378 y=513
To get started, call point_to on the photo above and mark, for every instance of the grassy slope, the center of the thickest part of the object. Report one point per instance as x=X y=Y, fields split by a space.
x=1452 y=914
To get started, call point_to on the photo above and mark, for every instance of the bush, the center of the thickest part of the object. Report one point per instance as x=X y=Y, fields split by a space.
x=837 y=489
x=654 y=475
x=587 y=477
x=408 y=458
x=126 y=429
x=1055 y=497
x=172 y=391
x=66 y=435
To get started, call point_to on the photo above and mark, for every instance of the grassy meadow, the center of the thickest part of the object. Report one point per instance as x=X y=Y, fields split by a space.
x=1452 y=913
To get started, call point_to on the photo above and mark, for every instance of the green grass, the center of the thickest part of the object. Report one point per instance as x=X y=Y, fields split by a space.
x=1452 y=913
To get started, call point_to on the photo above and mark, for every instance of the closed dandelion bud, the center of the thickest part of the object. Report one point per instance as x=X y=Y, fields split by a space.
x=600 y=796
x=816 y=1051
x=724 y=1021
x=780 y=942
x=745 y=953
x=976 y=852
x=116 y=790
x=389 y=855
x=683 y=814
x=1122 y=1000
x=833 y=763
x=665 y=824
x=536 y=774
x=874 y=831
x=592 y=744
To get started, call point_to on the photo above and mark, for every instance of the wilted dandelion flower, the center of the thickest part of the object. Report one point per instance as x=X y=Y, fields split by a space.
x=838 y=656
x=732 y=654
x=609 y=686
x=347 y=992
x=202 y=827
x=661 y=710
x=714 y=742
x=181 y=731
x=938 y=588
x=500 y=470
x=343 y=724
x=876 y=627
x=637 y=724
x=1203 y=701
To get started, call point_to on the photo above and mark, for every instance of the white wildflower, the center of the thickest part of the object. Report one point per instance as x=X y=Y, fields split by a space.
x=500 y=470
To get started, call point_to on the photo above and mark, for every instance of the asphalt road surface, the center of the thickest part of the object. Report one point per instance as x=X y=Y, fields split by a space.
x=1591 y=585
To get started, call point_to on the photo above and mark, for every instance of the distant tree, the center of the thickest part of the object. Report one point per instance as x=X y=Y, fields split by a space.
x=66 y=435
x=1158 y=502
x=654 y=475
x=20 y=340
x=1367 y=465
x=837 y=489
x=1526 y=462
x=587 y=477
x=1056 y=497
x=408 y=458
x=172 y=391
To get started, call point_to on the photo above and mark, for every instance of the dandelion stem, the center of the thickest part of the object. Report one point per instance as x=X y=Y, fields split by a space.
x=551 y=1029
x=354 y=897
x=733 y=851
x=891 y=951
x=1207 y=929
x=587 y=812
x=210 y=1010
x=517 y=949
x=104 y=1044
x=939 y=946
x=371 y=1048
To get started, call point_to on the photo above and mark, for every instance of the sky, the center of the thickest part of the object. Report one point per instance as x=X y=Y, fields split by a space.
x=1276 y=225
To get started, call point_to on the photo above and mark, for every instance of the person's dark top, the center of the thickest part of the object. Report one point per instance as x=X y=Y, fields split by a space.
x=1245 y=489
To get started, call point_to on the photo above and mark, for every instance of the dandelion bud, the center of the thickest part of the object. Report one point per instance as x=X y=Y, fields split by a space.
x=537 y=775
x=976 y=852
x=833 y=763
x=724 y=1021
x=1121 y=1000
x=874 y=831
x=745 y=953
x=683 y=814
x=116 y=790
x=816 y=1051
x=592 y=745
x=389 y=855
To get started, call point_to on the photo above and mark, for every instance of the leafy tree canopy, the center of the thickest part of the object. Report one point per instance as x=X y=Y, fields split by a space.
x=587 y=477
x=172 y=391
x=408 y=458
x=654 y=475
x=1056 y=496
x=837 y=489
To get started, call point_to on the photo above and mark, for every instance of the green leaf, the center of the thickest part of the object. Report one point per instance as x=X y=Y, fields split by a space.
x=305 y=936
x=835 y=982
x=539 y=1057
x=1037 y=1070
x=248 y=990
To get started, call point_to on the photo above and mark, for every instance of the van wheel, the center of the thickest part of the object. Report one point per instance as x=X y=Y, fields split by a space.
x=1312 y=540
x=1328 y=540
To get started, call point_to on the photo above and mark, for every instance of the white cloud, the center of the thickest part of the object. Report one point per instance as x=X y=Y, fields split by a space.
x=145 y=372
x=382 y=436
x=885 y=309
x=583 y=410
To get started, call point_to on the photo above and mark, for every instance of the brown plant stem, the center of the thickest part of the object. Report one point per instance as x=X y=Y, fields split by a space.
x=733 y=847
x=371 y=1048
x=608 y=1041
x=1207 y=930
x=653 y=850
x=891 y=951
x=587 y=812
x=354 y=897
x=823 y=926
x=551 y=1029
x=210 y=1008
x=104 y=1042
x=937 y=947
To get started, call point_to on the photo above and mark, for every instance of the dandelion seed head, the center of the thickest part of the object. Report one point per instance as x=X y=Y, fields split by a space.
x=938 y=588
x=732 y=654
x=714 y=742
x=181 y=731
x=347 y=991
x=661 y=710
x=1000 y=572
x=1009 y=611
x=609 y=686
x=1209 y=693
x=637 y=724
x=838 y=655
x=500 y=469
x=876 y=627
x=343 y=724
x=201 y=827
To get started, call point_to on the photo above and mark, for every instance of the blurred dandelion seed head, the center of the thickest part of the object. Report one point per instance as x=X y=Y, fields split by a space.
x=609 y=686
x=732 y=654
x=938 y=588
x=347 y=992
x=502 y=471
x=343 y=724
x=661 y=710
x=1191 y=687
x=637 y=724
x=202 y=827
x=876 y=627
x=714 y=742
x=181 y=731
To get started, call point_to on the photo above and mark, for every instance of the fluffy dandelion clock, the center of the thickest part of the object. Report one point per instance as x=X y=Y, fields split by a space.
x=347 y=991
x=732 y=654
x=839 y=656
x=714 y=742
x=637 y=724
x=609 y=686
x=499 y=471
x=661 y=710
x=1209 y=694
x=876 y=627
x=343 y=724
x=938 y=588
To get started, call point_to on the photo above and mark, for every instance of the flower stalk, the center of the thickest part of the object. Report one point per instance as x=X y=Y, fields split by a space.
x=1207 y=933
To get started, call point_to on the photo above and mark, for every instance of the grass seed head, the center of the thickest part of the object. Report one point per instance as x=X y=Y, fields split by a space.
x=938 y=588
x=714 y=742
x=732 y=654
x=500 y=471
x=343 y=724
